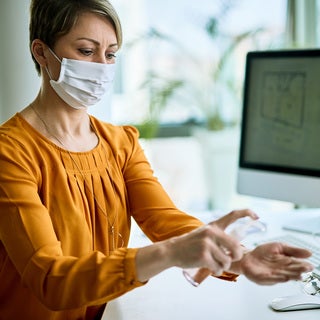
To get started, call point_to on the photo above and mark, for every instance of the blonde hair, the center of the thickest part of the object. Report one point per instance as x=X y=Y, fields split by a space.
x=51 y=19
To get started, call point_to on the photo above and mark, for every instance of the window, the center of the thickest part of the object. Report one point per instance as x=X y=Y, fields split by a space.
x=167 y=46
x=302 y=23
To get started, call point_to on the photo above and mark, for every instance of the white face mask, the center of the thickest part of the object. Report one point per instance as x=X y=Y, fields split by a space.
x=81 y=83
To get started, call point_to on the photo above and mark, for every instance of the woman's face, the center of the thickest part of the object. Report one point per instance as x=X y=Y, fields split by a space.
x=92 y=39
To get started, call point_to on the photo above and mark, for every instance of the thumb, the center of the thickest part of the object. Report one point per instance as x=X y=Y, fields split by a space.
x=233 y=216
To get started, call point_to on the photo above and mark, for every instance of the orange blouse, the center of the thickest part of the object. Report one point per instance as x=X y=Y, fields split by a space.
x=65 y=221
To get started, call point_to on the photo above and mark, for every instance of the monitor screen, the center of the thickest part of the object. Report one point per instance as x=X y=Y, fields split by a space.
x=280 y=130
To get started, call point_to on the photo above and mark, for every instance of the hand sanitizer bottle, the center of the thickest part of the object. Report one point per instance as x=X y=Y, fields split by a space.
x=196 y=275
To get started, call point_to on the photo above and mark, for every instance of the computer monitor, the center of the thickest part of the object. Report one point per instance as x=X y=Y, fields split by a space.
x=280 y=130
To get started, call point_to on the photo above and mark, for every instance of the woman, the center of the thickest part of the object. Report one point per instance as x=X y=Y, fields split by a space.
x=69 y=185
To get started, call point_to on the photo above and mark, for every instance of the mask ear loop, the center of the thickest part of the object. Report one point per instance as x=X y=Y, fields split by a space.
x=48 y=72
x=52 y=52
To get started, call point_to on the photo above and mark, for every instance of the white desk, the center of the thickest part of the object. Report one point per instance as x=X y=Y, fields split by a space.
x=169 y=296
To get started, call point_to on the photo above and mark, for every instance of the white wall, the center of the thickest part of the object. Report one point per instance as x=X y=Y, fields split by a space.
x=19 y=82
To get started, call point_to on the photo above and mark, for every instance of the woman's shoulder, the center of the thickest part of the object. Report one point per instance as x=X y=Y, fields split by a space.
x=13 y=128
x=17 y=142
x=11 y=122
x=115 y=133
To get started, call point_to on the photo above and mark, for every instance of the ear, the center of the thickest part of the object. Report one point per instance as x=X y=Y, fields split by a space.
x=39 y=49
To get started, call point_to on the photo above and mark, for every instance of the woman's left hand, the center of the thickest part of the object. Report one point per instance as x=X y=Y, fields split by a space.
x=275 y=262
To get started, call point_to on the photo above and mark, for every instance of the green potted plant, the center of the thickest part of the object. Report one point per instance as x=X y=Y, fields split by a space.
x=207 y=92
x=219 y=137
x=160 y=90
x=214 y=89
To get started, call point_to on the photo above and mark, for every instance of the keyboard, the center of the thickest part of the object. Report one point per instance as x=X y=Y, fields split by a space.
x=293 y=240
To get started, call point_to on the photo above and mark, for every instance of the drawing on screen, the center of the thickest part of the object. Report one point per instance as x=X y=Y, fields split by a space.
x=283 y=95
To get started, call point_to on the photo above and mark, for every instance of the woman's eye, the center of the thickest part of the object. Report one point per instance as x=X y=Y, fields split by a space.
x=86 y=52
x=110 y=56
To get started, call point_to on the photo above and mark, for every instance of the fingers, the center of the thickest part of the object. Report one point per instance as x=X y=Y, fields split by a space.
x=220 y=261
x=218 y=249
x=231 y=217
x=293 y=268
x=224 y=251
x=295 y=252
x=231 y=247
x=275 y=262
x=296 y=268
x=291 y=272
x=210 y=247
x=273 y=279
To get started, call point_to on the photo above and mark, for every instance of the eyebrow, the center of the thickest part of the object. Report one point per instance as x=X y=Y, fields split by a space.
x=97 y=42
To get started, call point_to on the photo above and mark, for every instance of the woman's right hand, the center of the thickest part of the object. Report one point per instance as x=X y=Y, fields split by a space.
x=208 y=247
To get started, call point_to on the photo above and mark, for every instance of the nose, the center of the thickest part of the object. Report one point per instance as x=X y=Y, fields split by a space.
x=101 y=58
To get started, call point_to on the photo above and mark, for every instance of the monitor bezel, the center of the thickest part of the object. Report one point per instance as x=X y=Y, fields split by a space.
x=243 y=163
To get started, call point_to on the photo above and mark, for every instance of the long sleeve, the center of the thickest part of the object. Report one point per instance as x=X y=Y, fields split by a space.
x=55 y=241
x=65 y=220
x=150 y=205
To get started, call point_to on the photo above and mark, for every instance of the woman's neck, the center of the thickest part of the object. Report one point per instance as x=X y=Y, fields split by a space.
x=69 y=128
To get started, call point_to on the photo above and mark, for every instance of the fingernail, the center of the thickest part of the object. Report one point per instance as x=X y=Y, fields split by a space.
x=309 y=268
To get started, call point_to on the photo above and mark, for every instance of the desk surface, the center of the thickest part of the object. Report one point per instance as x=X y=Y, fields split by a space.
x=169 y=296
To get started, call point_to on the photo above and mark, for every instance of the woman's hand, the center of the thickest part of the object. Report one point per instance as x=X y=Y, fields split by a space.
x=272 y=263
x=208 y=246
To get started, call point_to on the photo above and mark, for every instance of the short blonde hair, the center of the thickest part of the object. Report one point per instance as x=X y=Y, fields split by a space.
x=51 y=19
